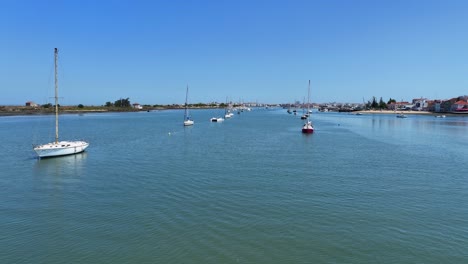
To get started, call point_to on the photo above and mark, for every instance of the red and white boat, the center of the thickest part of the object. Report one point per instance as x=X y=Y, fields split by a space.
x=308 y=128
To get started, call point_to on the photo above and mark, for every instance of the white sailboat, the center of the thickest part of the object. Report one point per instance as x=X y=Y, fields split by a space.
x=289 y=109
x=59 y=148
x=187 y=119
x=305 y=115
x=228 y=114
x=217 y=119
x=227 y=111
x=308 y=128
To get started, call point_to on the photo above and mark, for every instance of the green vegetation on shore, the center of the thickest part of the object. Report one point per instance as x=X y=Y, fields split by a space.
x=120 y=105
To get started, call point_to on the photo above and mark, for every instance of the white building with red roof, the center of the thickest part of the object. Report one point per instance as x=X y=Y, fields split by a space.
x=460 y=106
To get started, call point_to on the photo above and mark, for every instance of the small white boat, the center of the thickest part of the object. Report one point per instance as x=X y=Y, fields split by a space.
x=440 y=116
x=217 y=119
x=228 y=115
x=59 y=148
x=401 y=116
x=188 y=122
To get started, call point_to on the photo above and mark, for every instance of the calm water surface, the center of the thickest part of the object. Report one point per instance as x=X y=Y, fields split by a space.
x=361 y=189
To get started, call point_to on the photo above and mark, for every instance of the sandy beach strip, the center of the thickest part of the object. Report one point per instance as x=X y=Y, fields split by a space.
x=397 y=112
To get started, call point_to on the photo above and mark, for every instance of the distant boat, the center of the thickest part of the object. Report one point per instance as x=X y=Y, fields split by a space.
x=59 y=148
x=401 y=115
x=187 y=119
x=228 y=114
x=227 y=110
x=440 y=116
x=308 y=128
x=217 y=119
x=305 y=114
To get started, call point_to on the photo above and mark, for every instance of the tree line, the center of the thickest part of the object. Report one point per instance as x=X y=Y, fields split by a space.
x=122 y=102
x=379 y=105
x=125 y=102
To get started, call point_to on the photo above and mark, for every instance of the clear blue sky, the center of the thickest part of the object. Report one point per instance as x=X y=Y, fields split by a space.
x=263 y=51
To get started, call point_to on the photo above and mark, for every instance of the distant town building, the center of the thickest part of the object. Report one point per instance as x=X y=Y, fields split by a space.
x=460 y=106
x=31 y=104
x=420 y=104
x=137 y=106
x=399 y=106
x=435 y=106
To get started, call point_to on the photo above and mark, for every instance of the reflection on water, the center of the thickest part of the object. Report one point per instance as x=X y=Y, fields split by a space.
x=66 y=166
x=432 y=134
x=454 y=123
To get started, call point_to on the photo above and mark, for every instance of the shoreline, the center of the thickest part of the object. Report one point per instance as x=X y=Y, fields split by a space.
x=397 y=112
x=39 y=112
x=388 y=112
x=26 y=111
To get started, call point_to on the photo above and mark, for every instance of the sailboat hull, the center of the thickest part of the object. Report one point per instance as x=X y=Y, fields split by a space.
x=188 y=123
x=61 y=148
x=217 y=119
x=308 y=128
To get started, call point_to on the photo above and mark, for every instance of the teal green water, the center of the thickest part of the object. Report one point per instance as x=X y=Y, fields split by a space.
x=361 y=189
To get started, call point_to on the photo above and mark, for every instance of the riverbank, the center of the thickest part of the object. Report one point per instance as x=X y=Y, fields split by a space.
x=397 y=112
x=373 y=112
x=22 y=110
x=26 y=110
x=408 y=113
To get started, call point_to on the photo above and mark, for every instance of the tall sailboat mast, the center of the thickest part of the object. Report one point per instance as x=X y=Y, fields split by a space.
x=56 y=97
x=187 y=119
x=308 y=101
x=186 y=104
